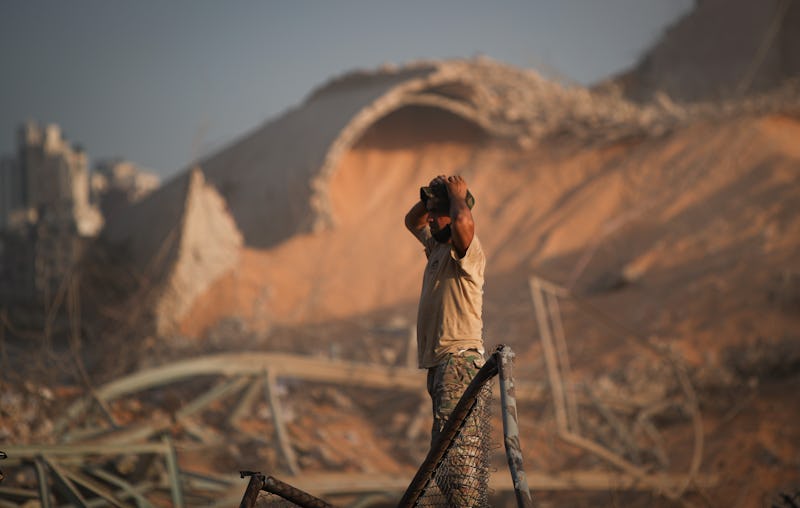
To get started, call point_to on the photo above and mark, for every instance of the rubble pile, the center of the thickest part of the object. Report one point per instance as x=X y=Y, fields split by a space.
x=27 y=412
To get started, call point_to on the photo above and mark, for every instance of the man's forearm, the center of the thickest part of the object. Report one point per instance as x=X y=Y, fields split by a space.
x=462 y=225
x=417 y=217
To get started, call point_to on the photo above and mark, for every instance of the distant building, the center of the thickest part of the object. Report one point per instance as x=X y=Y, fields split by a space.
x=47 y=213
x=56 y=178
x=12 y=193
x=117 y=183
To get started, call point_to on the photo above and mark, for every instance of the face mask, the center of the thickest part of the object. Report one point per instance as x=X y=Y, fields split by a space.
x=443 y=235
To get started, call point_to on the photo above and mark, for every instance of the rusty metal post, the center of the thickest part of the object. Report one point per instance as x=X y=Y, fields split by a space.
x=508 y=404
x=295 y=495
x=448 y=434
x=254 y=486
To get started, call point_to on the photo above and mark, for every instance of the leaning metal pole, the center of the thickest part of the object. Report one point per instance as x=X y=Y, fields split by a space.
x=254 y=486
x=295 y=495
x=259 y=482
x=451 y=427
x=511 y=428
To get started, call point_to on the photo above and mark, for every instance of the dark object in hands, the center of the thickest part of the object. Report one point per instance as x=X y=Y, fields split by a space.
x=439 y=192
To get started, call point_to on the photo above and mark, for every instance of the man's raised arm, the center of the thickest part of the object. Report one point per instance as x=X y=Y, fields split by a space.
x=417 y=218
x=462 y=225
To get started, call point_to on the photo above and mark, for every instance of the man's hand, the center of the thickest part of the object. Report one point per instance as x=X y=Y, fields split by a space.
x=456 y=188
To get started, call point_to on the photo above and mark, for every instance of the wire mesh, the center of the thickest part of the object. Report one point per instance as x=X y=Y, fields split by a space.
x=461 y=479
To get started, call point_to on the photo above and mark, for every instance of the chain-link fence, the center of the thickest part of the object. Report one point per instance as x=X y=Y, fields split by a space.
x=462 y=477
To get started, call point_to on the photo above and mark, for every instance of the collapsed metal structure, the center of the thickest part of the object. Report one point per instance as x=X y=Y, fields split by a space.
x=102 y=460
x=500 y=362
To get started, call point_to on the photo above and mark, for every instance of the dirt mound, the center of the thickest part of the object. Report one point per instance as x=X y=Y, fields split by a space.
x=653 y=210
x=276 y=179
x=722 y=49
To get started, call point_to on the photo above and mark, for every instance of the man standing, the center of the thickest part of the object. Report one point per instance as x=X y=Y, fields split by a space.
x=449 y=324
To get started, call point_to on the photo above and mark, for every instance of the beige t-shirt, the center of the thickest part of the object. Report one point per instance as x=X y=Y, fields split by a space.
x=449 y=315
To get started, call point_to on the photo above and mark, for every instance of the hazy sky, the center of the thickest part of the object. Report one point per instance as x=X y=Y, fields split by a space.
x=158 y=81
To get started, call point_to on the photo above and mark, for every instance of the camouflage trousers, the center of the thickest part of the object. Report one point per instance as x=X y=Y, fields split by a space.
x=464 y=476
